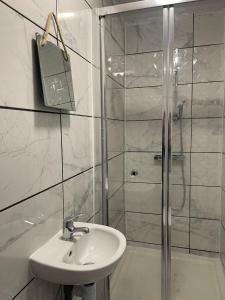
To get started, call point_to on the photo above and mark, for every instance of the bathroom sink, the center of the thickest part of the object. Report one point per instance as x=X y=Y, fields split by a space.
x=86 y=259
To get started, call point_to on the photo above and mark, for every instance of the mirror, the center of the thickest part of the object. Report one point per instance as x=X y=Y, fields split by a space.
x=56 y=76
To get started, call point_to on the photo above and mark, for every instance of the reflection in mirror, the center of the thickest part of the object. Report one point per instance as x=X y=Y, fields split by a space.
x=56 y=76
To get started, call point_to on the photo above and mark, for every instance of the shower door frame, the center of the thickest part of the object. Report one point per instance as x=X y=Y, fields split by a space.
x=168 y=86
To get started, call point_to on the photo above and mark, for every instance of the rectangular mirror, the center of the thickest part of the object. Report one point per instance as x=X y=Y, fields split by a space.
x=56 y=76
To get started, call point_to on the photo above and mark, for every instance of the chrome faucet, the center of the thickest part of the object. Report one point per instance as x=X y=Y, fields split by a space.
x=69 y=229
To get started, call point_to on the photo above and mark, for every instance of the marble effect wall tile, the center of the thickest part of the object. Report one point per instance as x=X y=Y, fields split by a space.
x=78 y=196
x=206 y=135
x=97 y=185
x=116 y=201
x=149 y=170
x=116 y=173
x=205 y=169
x=209 y=27
x=144 y=227
x=222 y=245
x=96 y=90
x=205 y=202
x=140 y=74
x=97 y=151
x=115 y=59
x=117 y=29
x=176 y=177
x=144 y=36
x=186 y=135
x=183 y=94
x=204 y=234
x=115 y=136
x=183 y=30
x=30 y=154
x=205 y=253
x=143 y=135
x=115 y=99
x=142 y=197
x=37 y=9
x=208 y=99
x=25 y=92
x=208 y=63
x=24 y=228
x=40 y=290
x=183 y=65
x=177 y=196
x=116 y=207
x=75 y=18
x=180 y=232
x=84 y=89
x=77 y=144
x=95 y=3
x=144 y=103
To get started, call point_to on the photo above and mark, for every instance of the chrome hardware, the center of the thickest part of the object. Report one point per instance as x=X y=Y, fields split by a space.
x=178 y=157
x=69 y=229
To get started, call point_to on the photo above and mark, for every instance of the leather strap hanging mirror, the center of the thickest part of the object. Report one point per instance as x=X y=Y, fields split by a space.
x=55 y=69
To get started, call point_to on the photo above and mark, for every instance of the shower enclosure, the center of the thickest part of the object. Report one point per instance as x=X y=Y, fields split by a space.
x=162 y=84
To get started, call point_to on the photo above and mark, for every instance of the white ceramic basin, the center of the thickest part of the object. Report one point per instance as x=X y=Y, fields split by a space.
x=88 y=258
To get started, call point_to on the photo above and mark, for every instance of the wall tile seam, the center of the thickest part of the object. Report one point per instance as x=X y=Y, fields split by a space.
x=46 y=111
x=158 y=151
x=179 y=48
x=174 y=184
x=109 y=75
x=116 y=191
x=115 y=40
x=48 y=188
x=40 y=27
x=173 y=216
x=179 y=84
x=179 y=247
x=30 y=281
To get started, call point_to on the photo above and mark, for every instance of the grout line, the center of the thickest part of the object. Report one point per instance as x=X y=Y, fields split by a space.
x=121 y=153
x=117 y=190
x=184 y=118
x=179 y=48
x=115 y=40
x=113 y=79
x=88 y=4
x=143 y=87
x=173 y=184
x=158 y=151
x=23 y=288
x=42 y=28
x=50 y=187
x=179 y=247
x=144 y=52
x=27 y=198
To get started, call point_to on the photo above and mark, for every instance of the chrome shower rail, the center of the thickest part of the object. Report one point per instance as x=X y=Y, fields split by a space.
x=125 y=7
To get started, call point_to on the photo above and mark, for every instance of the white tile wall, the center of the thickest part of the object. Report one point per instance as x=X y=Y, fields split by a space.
x=33 y=143
x=23 y=229
x=77 y=140
x=30 y=154
x=75 y=18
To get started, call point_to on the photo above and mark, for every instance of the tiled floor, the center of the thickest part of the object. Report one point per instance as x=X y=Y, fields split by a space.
x=193 y=277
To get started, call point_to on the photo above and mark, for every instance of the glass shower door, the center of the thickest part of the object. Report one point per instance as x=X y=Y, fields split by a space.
x=197 y=111
x=135 y=114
